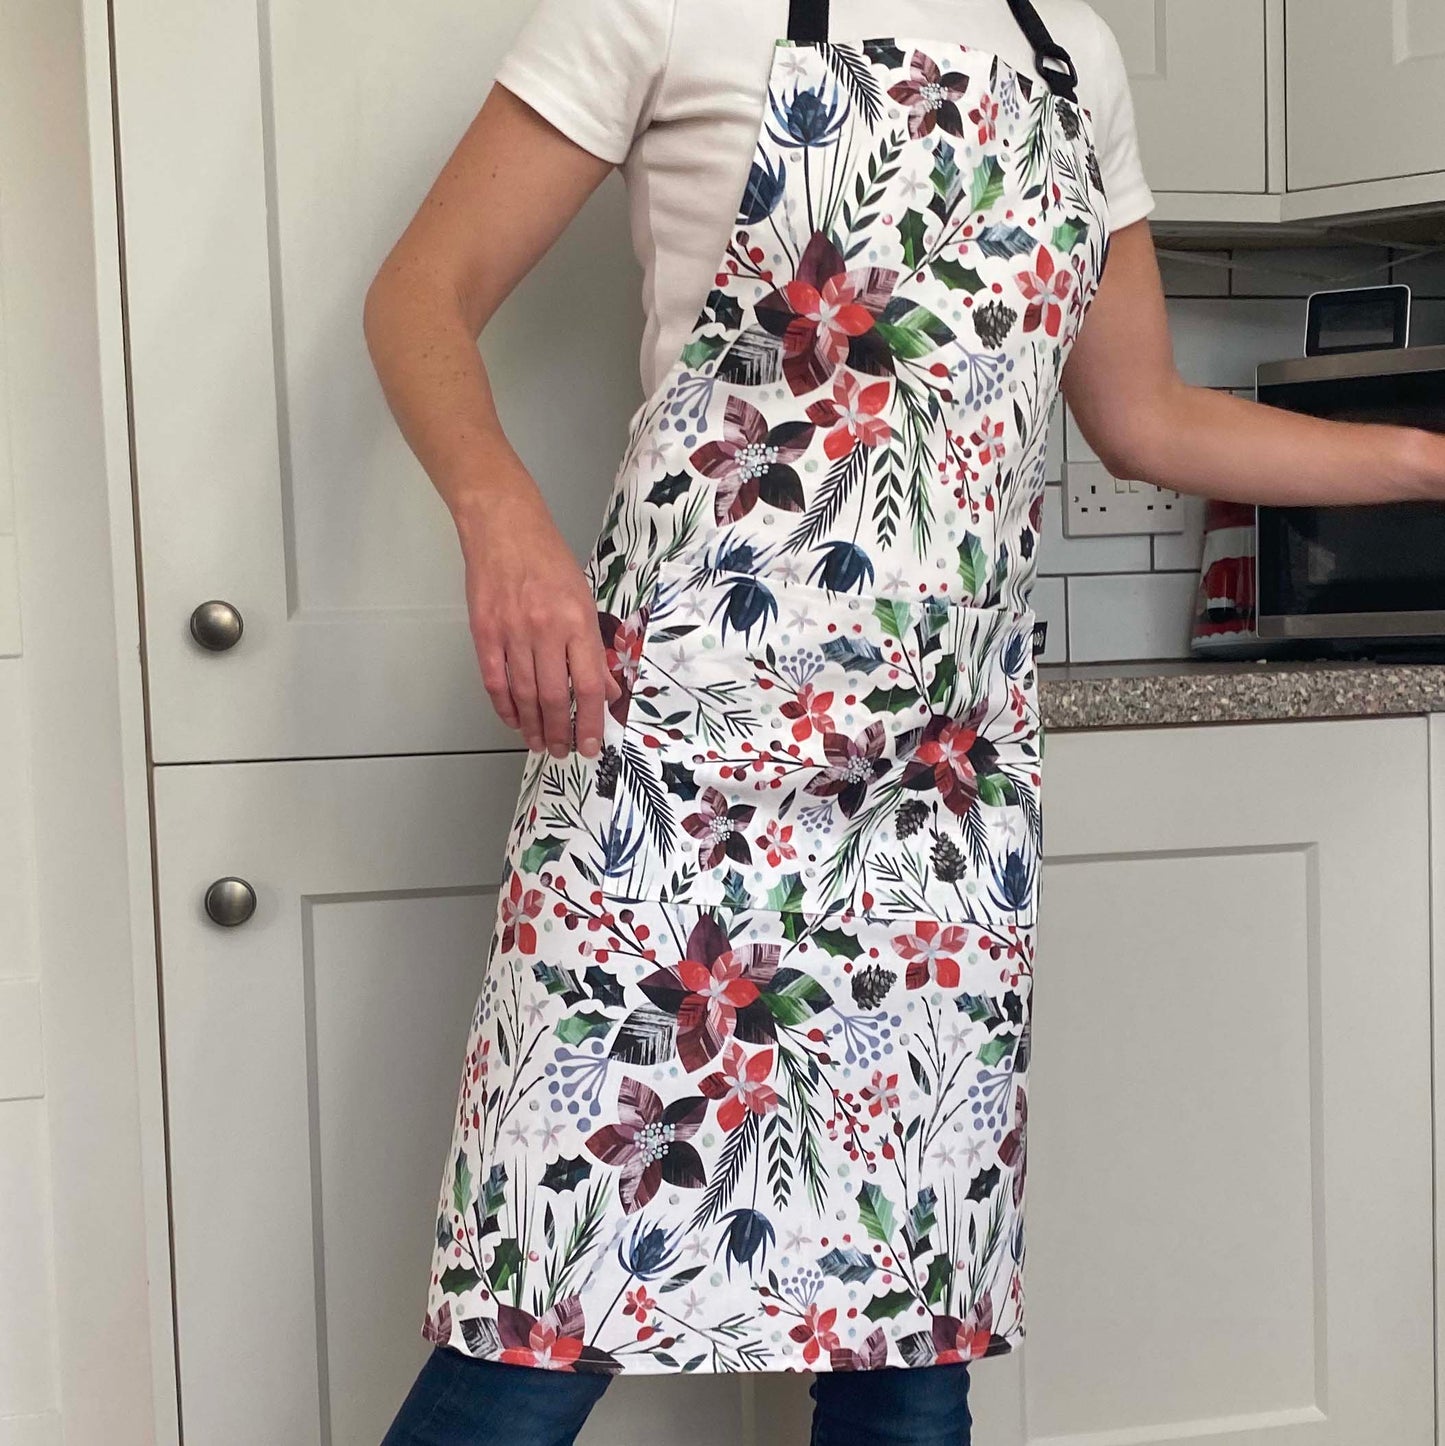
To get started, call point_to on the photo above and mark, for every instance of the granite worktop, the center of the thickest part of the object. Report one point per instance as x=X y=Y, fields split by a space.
x=1139 y=695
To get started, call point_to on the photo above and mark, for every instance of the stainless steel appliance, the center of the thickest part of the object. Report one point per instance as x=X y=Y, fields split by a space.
x=1346 y=580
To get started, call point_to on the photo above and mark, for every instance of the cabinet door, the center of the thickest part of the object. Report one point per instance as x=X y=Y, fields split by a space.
x=1365 y=84
x=1198 y=77
x=270 y=155
x=313 y=1055
x=1229 y=1215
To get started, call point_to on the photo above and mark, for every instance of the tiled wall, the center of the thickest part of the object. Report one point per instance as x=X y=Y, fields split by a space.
x=1125 y=599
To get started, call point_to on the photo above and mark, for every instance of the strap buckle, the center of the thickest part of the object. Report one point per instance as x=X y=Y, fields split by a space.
x=1057 y=67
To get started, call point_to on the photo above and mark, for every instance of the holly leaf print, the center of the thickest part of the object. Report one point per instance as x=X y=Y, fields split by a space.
x=981 y=1008
x=605 y=989
x=883 y=52
x=669 y=488
x=701 y=350
x=505 y=1263
x=1004 y=241
x=835 y=942
x=797 y=999
x=893 y=615
x=876 y=1211
x=787 y=897
x=1068 y=234
x=890 y=700
x=577 y=1027
x=566 y=1173
x=984 y=1184
x=987 y=184
x=1000 y=1047
x=972 y=565
x=910 y=236
x=846 y=1263
x=957 y=277
x=461 y=1184
x=679 y=781
x=459 y=1279
x=909 y=330
x=727 y=310
x=543 y=851
x=885 y=1307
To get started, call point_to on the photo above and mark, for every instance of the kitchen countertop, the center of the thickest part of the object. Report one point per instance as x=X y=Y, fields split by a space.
x=1137 y=695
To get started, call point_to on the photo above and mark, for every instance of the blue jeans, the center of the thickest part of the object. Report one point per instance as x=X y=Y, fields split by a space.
x=457 y=1400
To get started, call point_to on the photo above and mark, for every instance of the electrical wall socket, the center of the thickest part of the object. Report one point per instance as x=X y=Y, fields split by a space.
x=1098 y=504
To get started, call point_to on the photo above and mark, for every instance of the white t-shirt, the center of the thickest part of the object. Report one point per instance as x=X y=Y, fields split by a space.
x=673 y=91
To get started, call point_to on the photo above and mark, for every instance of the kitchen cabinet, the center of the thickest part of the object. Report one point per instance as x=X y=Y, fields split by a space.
x=270 y=477
x=1230 y=1138
x=312 y=1057
x=1199 y=77
x=1365 y=79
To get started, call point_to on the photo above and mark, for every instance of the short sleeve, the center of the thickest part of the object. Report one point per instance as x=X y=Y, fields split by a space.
x=1116 y=140
x=592 y=68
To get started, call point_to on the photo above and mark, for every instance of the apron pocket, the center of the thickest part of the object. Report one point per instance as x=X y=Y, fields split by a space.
x=803 y=751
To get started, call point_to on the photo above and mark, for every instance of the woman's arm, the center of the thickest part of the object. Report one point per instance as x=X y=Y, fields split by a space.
x=1147 y=425
x=508 y=190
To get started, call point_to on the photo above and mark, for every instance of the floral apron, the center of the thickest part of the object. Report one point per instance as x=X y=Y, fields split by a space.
x=745 y=1083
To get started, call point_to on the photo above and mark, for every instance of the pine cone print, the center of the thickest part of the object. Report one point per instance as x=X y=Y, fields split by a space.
x=911 y=817
x=1069 y=120
x=871 y=985
x=948 y=862
x=993 y=321
x=609 y=765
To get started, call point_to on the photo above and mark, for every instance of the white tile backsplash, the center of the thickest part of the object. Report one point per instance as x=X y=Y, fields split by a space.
x=1129 y=617
x=1060 y=555
x=1131 y=599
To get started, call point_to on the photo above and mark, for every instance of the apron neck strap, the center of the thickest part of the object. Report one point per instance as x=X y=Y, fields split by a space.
x=808 y=24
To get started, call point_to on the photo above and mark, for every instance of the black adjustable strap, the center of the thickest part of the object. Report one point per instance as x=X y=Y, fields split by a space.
x=1053 y=61
x=807 y=20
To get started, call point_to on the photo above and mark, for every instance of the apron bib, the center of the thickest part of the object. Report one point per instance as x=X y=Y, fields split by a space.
x=745 y=1083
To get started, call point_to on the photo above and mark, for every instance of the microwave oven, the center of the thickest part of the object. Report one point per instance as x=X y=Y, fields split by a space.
x=1354 y=580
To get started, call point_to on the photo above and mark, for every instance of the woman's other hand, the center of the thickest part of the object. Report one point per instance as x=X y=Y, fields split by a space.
x=506 y=192
x=534 y=621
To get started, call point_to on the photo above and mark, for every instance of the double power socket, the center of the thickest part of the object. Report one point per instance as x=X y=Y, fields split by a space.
x=1098 y=504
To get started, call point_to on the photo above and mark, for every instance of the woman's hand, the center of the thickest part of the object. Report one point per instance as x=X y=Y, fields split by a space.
x=533 y=620
x=507 y=191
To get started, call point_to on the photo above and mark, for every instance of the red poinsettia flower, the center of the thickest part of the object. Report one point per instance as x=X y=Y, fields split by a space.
x=553 y=1341
x=810 y=709
x=776 y=843
x=931 y=96
x=815 y=1332
x=1045 y=288
x=518 y=908
x=988 y=441
x=751 y=462
x=930 y=952
x=719 y=829
x=853 y=414
x=714 y=993
x=742 y=1086
x=950 y=757
x=852 y=765
x=963 y=1340
x=650 y=1143
x=985 y=117
x=880 y=1093
x=825 y=316
x=622 y=639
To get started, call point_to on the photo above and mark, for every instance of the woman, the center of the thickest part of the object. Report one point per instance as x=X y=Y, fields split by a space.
x=745 y=1086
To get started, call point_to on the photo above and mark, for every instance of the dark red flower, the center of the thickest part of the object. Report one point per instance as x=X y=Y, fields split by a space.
x=1045 y=288
x=649 y=1142
x=719 y=829
x=931 y=96
x=742 y=1086
x=622 y=639
x=826 y=316
x=518 y=908
x=950 y=758
x=852 y=765
x=553 y=1341
x=752 y=462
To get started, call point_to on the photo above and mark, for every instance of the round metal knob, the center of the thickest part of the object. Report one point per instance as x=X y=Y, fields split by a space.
x=230 y=901
x=216 y=625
